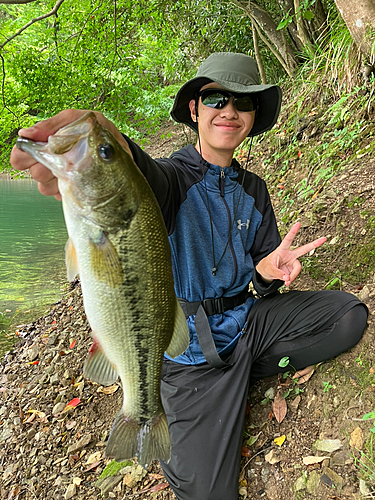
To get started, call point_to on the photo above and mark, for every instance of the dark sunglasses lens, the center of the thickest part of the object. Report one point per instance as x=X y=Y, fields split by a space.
x=244 y=103
x=214 y=100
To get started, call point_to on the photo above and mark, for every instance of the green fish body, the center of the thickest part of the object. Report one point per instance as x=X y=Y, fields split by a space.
x=119 y=246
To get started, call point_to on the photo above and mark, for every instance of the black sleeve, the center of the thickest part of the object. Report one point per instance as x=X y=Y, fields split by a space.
x=162 y=176
x=267 y=238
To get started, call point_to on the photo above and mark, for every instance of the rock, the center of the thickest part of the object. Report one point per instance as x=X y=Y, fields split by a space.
x=270 y=393
x=327 y=445
x=109 y=483
x=33 y=353
x=300 y=484
x=71 y=491
x=55 y=379
x=133 y=474
x=313 y=482
x=332 y=480
x=58 y=408
x=79 y=445
x=341 y=458
x=364 y=489
x=6 y=432
x=364 y=294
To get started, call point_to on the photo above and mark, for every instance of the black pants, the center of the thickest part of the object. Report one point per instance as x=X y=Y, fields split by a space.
x=205 y=406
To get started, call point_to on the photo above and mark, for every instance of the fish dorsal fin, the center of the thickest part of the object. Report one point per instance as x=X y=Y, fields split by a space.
x=180 y=338
x=97 y=367
x=71 y=260
x=105 y=262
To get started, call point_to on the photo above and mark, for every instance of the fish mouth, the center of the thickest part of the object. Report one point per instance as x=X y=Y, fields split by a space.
x=66 y=151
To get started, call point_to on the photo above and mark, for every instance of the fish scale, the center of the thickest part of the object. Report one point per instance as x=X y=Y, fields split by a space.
x=119 y=246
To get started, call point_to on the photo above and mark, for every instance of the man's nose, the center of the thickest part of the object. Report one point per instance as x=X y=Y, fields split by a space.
x=230 y=110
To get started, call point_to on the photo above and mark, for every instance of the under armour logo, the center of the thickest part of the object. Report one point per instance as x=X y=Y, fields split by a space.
x=243 y=224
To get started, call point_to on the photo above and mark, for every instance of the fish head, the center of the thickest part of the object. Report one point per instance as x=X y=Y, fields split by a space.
x=93 y=170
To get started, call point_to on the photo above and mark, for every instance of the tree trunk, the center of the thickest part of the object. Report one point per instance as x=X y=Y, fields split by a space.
x=276 y=37
x=262 y=73
x=359 y=16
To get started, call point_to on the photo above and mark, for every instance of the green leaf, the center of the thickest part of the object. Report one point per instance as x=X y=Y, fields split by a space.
x=308 y=14
x=368 y=416
x=284 y=23
x=284 y=362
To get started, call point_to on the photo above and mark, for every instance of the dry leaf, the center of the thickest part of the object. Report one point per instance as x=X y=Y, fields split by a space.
x=95 y=457
x=156 y=476
x=280 y=440
x=310 y=460
x=245 y=452
x=356 y=439
x=108 y=390
x=92 y=466
x=159 y=487
x=279 y=407
x=72 y=404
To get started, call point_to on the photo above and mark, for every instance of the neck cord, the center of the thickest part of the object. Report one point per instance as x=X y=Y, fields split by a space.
x=216 y=265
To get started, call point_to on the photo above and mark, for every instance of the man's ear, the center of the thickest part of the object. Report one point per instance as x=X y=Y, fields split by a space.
x=193 y=106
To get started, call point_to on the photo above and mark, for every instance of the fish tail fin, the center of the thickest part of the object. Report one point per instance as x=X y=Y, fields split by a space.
x=146 y=441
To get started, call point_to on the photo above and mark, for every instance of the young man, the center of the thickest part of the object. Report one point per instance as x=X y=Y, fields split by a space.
x=223 y=234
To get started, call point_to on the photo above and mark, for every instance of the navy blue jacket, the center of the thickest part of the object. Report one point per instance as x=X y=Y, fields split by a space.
x=188 y=190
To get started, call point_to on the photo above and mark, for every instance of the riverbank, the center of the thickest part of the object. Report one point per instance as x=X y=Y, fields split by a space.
x=52 y=449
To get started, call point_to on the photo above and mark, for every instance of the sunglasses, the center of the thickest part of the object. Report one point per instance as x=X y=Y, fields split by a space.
x=218 y=99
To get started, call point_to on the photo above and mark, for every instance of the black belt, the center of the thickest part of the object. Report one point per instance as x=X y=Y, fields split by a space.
x=205 y=308
x=214 y=306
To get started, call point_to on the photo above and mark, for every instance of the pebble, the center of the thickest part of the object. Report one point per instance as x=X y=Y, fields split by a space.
x=71 y=491
x=79 y=445
x=58 y=408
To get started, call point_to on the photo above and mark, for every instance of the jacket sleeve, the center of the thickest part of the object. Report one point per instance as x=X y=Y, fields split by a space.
x=162 y=176
x=267 y=239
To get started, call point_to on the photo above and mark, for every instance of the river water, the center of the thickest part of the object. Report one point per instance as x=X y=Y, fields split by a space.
x=32 y=240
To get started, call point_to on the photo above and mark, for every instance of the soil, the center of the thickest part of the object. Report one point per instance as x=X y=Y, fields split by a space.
x=50 y=449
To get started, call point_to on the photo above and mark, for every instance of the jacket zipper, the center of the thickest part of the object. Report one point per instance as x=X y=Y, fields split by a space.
x=222 y=194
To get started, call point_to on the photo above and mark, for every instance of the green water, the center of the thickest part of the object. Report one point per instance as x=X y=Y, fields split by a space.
x=32 y=240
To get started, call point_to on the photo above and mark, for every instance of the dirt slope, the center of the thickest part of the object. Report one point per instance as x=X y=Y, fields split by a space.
x=50 y=451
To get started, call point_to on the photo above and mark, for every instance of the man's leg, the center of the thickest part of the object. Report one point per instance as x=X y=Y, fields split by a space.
x=205 y=409
x=307 y=331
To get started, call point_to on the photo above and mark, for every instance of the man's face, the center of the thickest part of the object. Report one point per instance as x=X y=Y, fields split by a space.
x=221 y=129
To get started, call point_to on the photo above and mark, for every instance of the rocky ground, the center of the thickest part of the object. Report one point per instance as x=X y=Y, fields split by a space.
x=54 y=423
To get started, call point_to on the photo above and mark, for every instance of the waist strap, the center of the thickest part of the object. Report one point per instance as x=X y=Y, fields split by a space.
x=205 y=308
x=214 y=306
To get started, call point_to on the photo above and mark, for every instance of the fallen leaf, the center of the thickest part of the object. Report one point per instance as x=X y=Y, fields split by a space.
x=72 y=344
x=92 y=466
x=310 y=460
x=356 y=439
x=159 y=487
x=280 y=440
x=108 y=390
x=156 y=476
x=305 y=378
x=279 y=407
x=95 y=457
x=296 y=401
x=72 y=404
x=245 y=452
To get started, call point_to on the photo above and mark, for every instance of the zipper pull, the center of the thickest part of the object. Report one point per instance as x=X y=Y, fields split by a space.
x=221 y=182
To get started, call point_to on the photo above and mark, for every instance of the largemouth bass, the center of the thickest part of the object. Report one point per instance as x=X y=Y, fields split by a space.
x=118 y=244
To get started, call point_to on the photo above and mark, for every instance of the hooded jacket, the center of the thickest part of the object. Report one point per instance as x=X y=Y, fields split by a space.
x=214 y=217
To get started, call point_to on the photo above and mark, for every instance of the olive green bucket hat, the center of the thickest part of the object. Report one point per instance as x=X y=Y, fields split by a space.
x=236 y=73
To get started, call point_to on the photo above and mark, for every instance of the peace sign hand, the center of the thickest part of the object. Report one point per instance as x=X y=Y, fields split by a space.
x=283 y=263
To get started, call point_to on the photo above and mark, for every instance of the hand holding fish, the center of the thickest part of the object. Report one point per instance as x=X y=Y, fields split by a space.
x=283 y=263
x=20 y=160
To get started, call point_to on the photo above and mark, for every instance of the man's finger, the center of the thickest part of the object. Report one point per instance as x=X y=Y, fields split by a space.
x=304 y=249
x=288 y=239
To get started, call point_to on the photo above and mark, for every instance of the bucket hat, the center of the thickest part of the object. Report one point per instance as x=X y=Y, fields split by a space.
x=236 y=73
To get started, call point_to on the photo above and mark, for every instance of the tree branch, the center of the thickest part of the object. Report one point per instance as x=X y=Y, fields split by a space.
x=51 y=13
x=12 y=2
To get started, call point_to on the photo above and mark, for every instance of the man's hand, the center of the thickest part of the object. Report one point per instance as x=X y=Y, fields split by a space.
x=47 y=182
x=283 y=263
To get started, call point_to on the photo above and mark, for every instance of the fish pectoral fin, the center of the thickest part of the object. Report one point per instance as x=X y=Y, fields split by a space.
x=71 y=260
x=105 y=262
x=97 y=367
x=147 y=441
x=180 y=338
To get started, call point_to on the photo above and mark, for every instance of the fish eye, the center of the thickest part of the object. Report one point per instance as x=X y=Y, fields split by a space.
x=106 y=151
